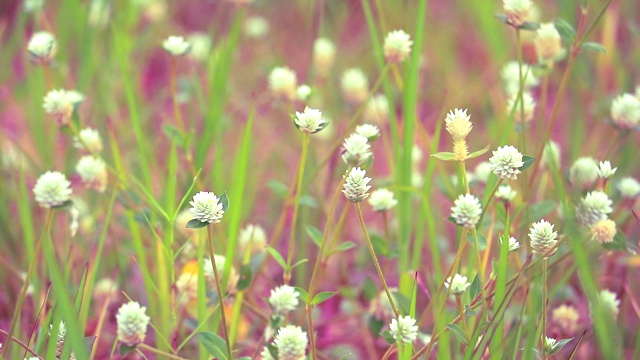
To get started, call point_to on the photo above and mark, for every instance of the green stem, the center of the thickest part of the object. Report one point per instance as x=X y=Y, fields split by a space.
x=545 y=295
x=159 y=352
x=219 y=289
x=501 y=284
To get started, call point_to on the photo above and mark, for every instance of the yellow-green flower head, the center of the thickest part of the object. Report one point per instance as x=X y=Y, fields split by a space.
x=132 y=323
x=404 y=329
x=458 y=124
x=567 y=317
x=604 y=231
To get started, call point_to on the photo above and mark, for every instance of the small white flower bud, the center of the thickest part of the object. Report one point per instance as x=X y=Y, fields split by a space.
x=458 y=285
x=625 y=111
x=517 y=11
x=355 y=86
x=90 y=138
x=303 y=92
x=310 y=120
x=93 y=172
x=397 y=46
x=513 y=105
x=505 y=193
x=377 y=109
x=52 y=189
x=404 y=329
x=513 y=244
x=629 y=188
x=324 y=53
x=254 y=236
x=355 y=187
x=256 y=27
x=42 y=46
x=382 y=200
x=371 y=132
x=176 y=46
x=583 y=172
x=283 y=83
x=595 y=206
x=132 y=323
x=506 y=162
x=605 y=171
x=283 y=299
x=291 y=342
x=610 y=302
x=548 y=42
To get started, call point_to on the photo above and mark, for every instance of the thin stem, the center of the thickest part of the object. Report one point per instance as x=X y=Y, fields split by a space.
x=160 y=352
x=47 y=74
x=219 y=289
x=545 y=296
x=312 y=338
x=486 y=204
x=17 y=341
x=174 y=95
x=461 y=312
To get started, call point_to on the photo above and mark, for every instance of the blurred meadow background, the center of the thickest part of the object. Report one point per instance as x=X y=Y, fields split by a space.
x=140 y=122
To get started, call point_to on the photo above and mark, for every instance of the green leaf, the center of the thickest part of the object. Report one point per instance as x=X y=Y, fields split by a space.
x=64 y=205
x=559 y=345
x=315 y=234
x=273 y=350
x=278 y=188
x=541 y=209
x=224 y=200
x=375 y=325
x=347 y=245
x=308 y=201
x=530 y=26
x=475 y=288
x=246 y=275
x=594 y=46
x=388 y=337
x=304 y=295
x=370 y=290
x=214 y=344
x=458 y=333
x=479 y=152
x=566 y=31
x=468 y=311
x=196 y=224
x=446 y=156
x=380 y=245
x=482 y=240
x=174 y=134
x=277 y=257
x=528 y=161
x=124 y=349
x=322 y=297
x=619 y=243
x=502 y=18
x=298 y=263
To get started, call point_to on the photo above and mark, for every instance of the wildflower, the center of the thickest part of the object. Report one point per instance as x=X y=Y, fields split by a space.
x=221 y=262
x=549 y=345
x=517 y=11
x=382 y=200
x=200 y=46
x=355 y=86
x=324 y=53
x=291 y=342
x=176 y=45
x=513 y=244
x=483 y=170
x=371 y=132
x=356 y=150
x=52 y=189
x=610 y=302
x=377 y=109
x=513 y=105
x=567 y=317
x=604 y=231
x=310 y=120
x=511 y=77
x=625 y=111
x=42 y=46
x=256 y=27
x=355 y=187
x=33 y=6
x=551 y=154
x=416 y=154
x=583 y=172
x=595 y=206
x=283 y=83
x=458 y=124
x=458 y=285
x=380 y=307
x=397 y=46
x=404 y=329
x=543 y=238
x=99 y=12
x=303 y=92
x=90 y=138
x=187 y=285
x=506 y=162
x=206 y=207
x=283 y=299
x=132 y=323
x=547 y=42
x=629 y=188
x=105 y=288
x=93 y=172
x=466 y=210
x=60 y=104
x=505 y=193
x=252 y=236
x=605 y=171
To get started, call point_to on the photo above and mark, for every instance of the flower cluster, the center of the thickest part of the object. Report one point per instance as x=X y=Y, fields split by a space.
x=283 y=83
x=310 y=121
x=404 y=329
x=506 y=162
x=132 y=323
x=52 y=189
x=382 y=200
x=458 y=124
x=60 y=104
x=595 y=206
x=356 y=150
x=355 y=186
x=397 y=46
x=283 y=299
x=355 y=86
x=176 y=46
x=42 y=46
x=457 y=285
x=542 y=238
x=206 y=207
x=466 y=210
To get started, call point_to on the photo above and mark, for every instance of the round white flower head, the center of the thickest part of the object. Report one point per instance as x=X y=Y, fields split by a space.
x=482 y=171
x=583 y=172
x=60 y=104
x=416 y=154
x=283 y=83
x=93 y=172
x=625 y=111
x=105 y=288
x=547 y=42
x=90 y=138
x=517 y=11
x=324 y=53
x=265 y=354
x=371 y=132
x=510 y=75
x=42 y=46
x=132 y=323
x=303 y=92
x=604 y=231
x=206 y=207
x=381 y=308
x=256 y=27
x=283 y=299
x=200 y=46
x=595 y=206
x=458 y=124
x=355 y=85
x=355 y=187
x=52 y=189
x=382 y=200
x=513 y=105
x=466 y=210
x=605 y=171
x=629 y=188
x=254 y=236
x=207 y=266
x=377 y=109
x=609 y=301
x=549 y=344
x=513 y=244
x=397 y=46
x=310 y=120
x=543 y=238
x=567 y=317
x=458 y=285
x=404 y=329
x=355 y=150
x=176 y=45
x=187 y=285
x=506 y=162
x=291 y=342
x=551 y=155
x=505 y=193
x=32 y=6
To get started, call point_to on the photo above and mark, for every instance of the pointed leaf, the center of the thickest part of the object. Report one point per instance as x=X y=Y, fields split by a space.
x=196 y=224
x=475 y=288
x=124 y=349
x=214 y=344
x=594 y=46
x=528 y=161
x=322 y=297
x=458 y=333
x=315 y=234
x=619 y=243
x=380 y=246
x=559 y=345
x=278 y=188
x=298 y=263
x=566 y=31
x=246 y=275
x=224 y=200
x=375 y=325
x=370 y=290
x=277 y=257
x=446 y=156
x=345 y=246
x=530 y=26
x=479 y=152
x=304 y=295
x=308 y=201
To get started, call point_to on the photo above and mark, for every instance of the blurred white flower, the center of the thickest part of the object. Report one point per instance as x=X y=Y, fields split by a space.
x=310 y=120
x=483 y=170
x=132 y=323
x=42 y=46
x=625 y=111
x=610 y=302
x=551 y=155
x=355 y=150
x=605 y=171
x=513 y=105
x=256 y=27
x=200 y=46
x=291 y=342
x=547 y=42
x=583 y=172
x=604 y=231
x=176 y=45
x=324 y=53
x=567 y=317
x=505 y=193
x=283 y=299
x=90 y=138
x=511 y=77
x=517 y=11
x=283 y=83
x=32 y=6
x=93 y=172
x=60 y=104
x=354 y=85
x=371 y=132
x=382 y=200
x=303 y=92
x=377 y=109
x=629 y=188
x=595 y=206
x=254 y=236
x=542 y=237
x=52 y=189
x=397 y=46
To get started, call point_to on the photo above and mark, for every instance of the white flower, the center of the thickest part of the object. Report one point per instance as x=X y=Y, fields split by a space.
x=517 y=11
x=513 y=244
x=32 y=6
x=513 y=105
x=382 y=200
x=483 y=170
x=604 y=231
x=458 y=285
x=283 y=83
x=187 y=286
x=511 y=77
x=207 y=266
x=543 y=238
x=355 y=85
x=303 y=92
x=377 y=109
x=629 y=188
x=549 y=345
x=371 y=132
x=176 y=45
x=93 y=172
x=404 y=329
x=132 y=323
x=355 y=187
x=283 y=299
x=567 y=317
x=380 y=307
x=105 y=288
x=551 y=155
x=324 y=53
x=254 y=236
x=99 y=12
x=466 y=210
x=355 y=150
x=609 y=301
x=506 y=162
x=625 y=111
x=42 y=46
x=90 y=138
x=605 y=171
x=265 y=354
x=505 y=193
x=458 y=124
x=397 y=46
x=583 y=172
x=60 y=104
x=310 y=120
x=206 y=207
x=595 y=206
x=291 y=342
x=52 y=189
x=256 y=27
x=200 y=46
x=547 y=42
